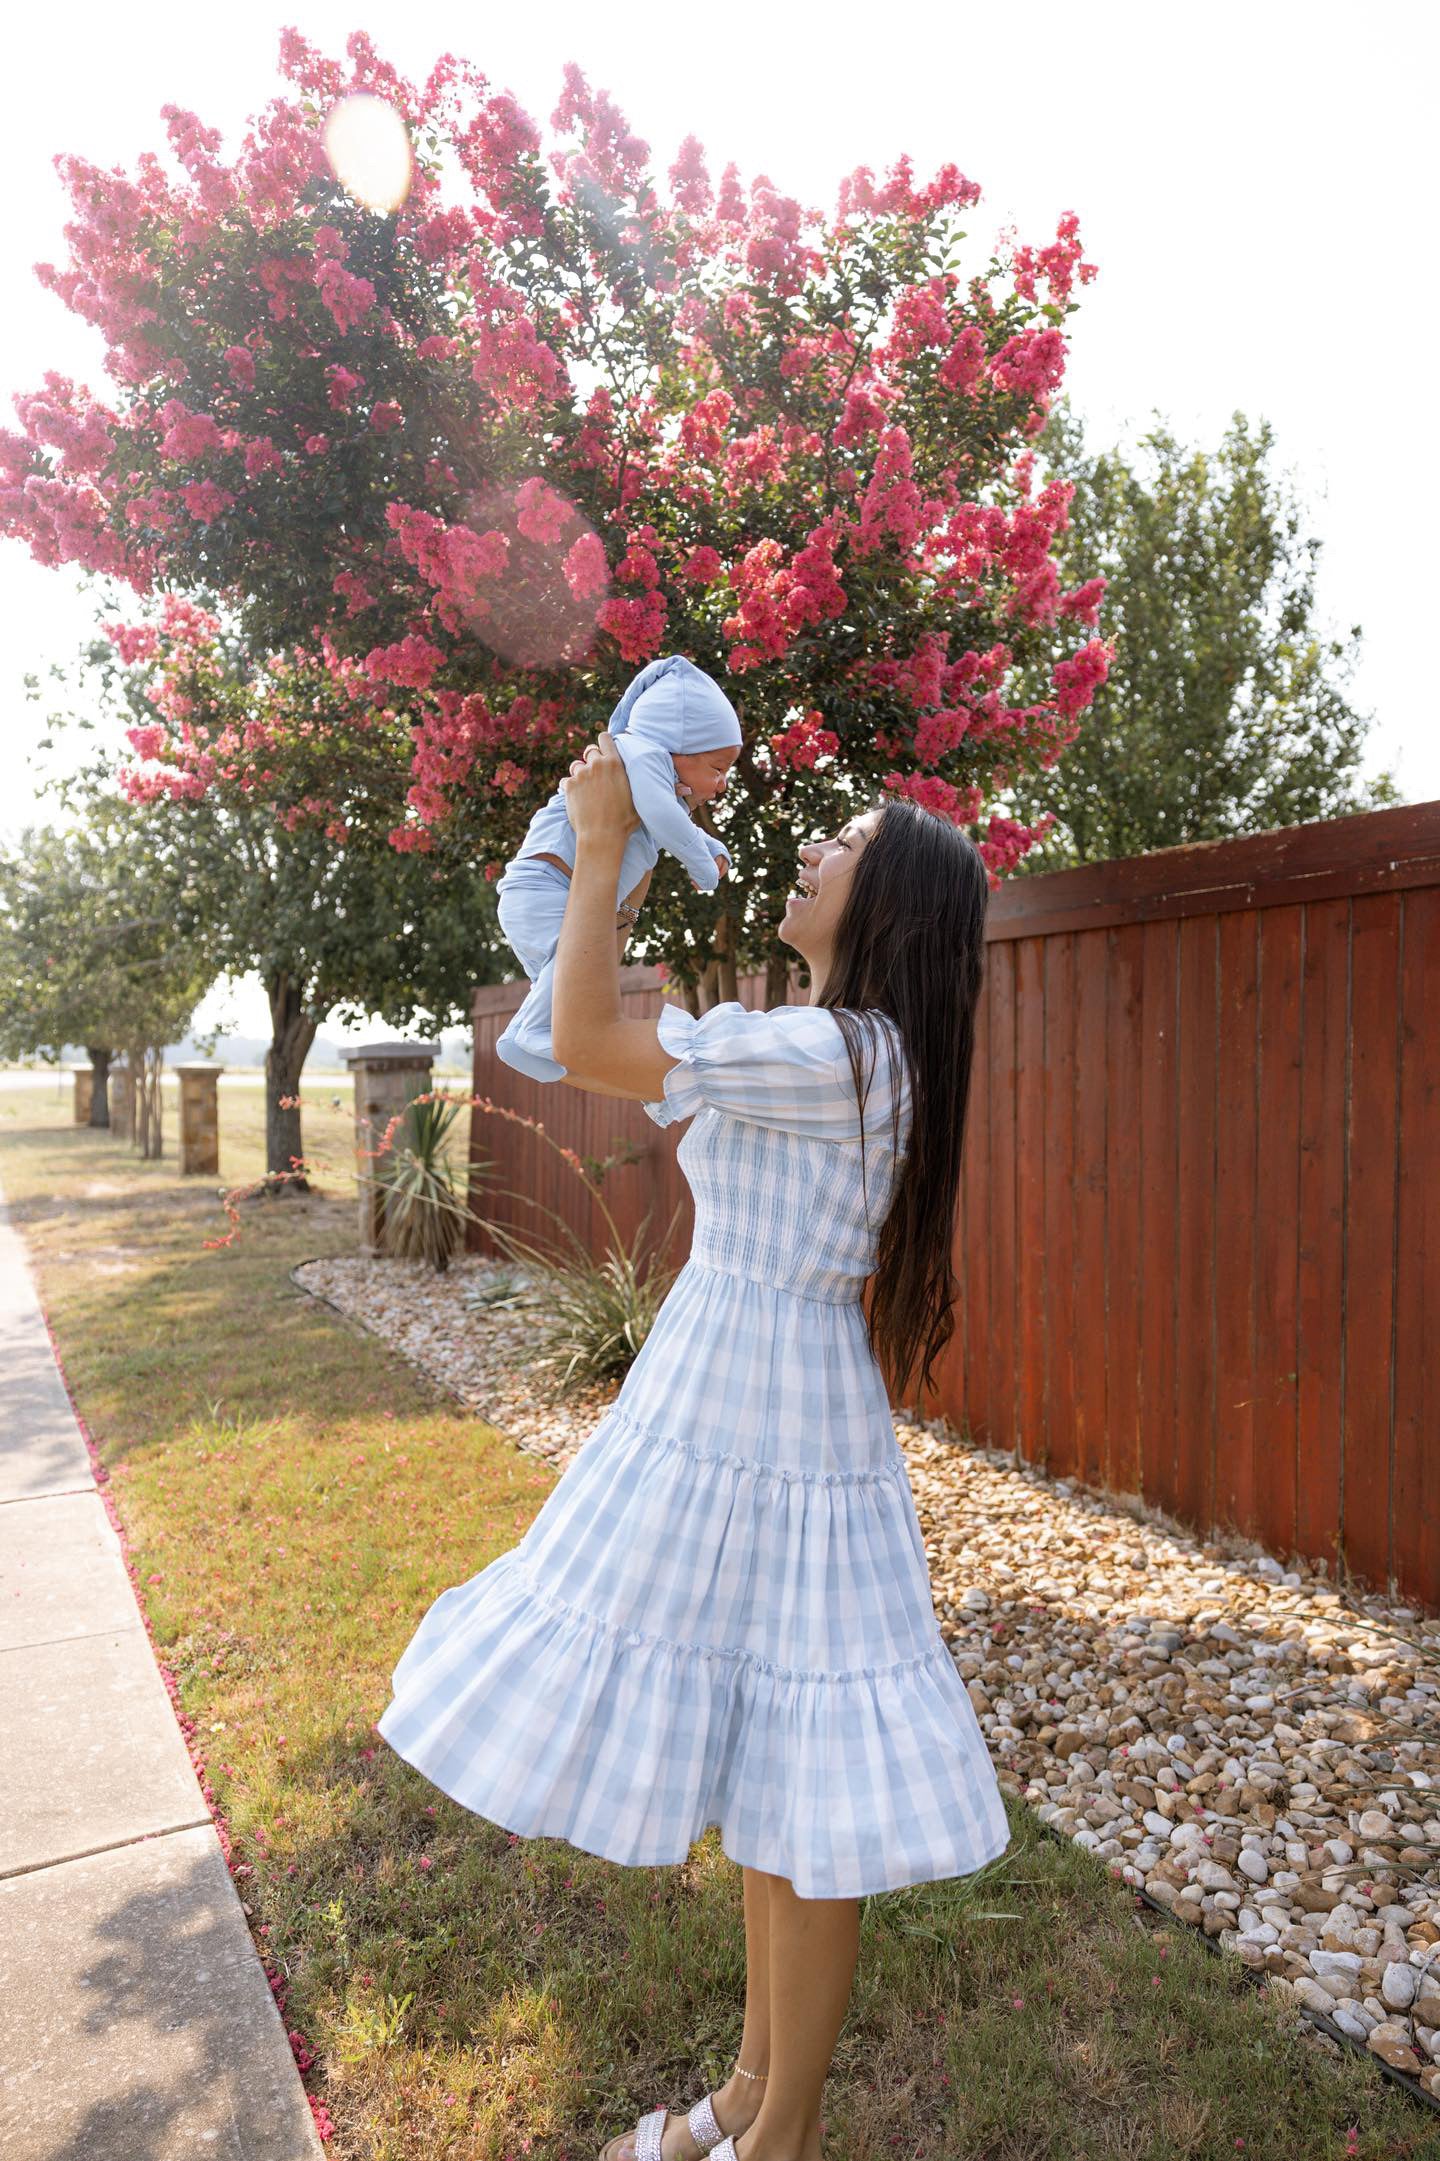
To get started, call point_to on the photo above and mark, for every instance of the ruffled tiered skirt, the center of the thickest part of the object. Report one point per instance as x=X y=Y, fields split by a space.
x=721 y=1615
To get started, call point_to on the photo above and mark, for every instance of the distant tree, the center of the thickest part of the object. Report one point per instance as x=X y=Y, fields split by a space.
x=1225 y=709
x=90 y=953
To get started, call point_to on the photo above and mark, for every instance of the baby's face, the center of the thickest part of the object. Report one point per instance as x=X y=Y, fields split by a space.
x=703 y=773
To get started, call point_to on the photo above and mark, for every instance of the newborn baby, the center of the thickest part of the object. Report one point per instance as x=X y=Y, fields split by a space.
x=673 y=728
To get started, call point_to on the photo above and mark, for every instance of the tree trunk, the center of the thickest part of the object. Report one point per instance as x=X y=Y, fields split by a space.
x=727 y=988
x=145 y=1067
x=99 y=1086
x=122 y=1097
x=292 y=1033
x=777 y=980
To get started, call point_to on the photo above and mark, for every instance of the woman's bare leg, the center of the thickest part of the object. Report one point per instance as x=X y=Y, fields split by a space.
x=737 y=2102
x=814 y=1946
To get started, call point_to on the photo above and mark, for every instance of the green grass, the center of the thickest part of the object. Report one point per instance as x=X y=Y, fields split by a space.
x=295 y=1495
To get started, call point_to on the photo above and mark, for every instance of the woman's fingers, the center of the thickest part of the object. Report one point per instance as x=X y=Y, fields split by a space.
x=597 y=793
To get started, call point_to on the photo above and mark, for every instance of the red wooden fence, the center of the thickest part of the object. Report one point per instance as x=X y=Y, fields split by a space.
x=1198 y=1236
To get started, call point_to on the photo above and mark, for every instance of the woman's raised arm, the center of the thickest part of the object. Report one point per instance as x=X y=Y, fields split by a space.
x=601 y=1050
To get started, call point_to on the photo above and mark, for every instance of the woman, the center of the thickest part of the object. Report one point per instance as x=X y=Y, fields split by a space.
x=722 y=1613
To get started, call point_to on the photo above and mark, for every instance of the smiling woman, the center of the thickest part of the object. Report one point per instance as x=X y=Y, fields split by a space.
x=722 y=1613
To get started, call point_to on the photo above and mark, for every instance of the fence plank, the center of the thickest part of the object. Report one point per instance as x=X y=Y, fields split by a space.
x=975 y=1170
x=1060 y=1456
x=1235 y=1162
x=1320 y=1282
x=1277 y=1239
x=1370 y=1234
x=1030 y=1170
x=1417 y=1285
x=1090 y=1115
x=1159 y=1212
x=1000 y=1391
x=1198 y=1052
x=1123 y=1054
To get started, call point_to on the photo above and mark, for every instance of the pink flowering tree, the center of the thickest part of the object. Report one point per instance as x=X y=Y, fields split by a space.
x=493 y=444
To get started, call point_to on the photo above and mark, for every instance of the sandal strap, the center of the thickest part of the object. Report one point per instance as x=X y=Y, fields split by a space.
x=647 y=2134
x=725 y=2151
x=702 y=2126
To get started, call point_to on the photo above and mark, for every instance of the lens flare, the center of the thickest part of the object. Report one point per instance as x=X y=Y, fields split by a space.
x=369 y=151
x=533 y=613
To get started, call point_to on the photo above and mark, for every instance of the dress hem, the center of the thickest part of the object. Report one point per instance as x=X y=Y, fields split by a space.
x=545 y=1828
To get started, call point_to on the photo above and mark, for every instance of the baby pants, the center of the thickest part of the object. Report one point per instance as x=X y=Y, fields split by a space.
x=530 y=902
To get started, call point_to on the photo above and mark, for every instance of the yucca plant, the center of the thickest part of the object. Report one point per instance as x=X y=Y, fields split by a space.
x=422 y=1216
x=592 y=1315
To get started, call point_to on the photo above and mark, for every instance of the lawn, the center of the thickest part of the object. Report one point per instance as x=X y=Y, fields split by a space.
x=294 y=1496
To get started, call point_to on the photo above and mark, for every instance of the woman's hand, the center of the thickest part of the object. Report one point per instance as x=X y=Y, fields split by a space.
x=597 y=793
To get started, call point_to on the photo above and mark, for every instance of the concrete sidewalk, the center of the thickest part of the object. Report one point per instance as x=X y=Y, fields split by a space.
x=137 y=2021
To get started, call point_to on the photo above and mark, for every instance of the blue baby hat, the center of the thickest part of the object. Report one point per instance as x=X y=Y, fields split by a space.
x=676 y=704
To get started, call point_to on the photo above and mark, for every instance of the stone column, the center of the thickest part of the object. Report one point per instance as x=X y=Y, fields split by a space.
x=84 y=1089
x=387 y=1077
x=199 y=1115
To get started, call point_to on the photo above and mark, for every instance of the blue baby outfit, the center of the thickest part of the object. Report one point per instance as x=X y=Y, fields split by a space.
x=722 y=1613
x=672 y=708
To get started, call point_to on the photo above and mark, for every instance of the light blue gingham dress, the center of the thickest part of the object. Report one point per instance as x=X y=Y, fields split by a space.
x=722 y=1613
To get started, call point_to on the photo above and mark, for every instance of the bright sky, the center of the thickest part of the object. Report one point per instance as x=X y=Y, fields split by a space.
x=1252 y=181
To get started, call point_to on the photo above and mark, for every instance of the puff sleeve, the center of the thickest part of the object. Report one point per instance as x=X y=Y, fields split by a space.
x=787 y=1067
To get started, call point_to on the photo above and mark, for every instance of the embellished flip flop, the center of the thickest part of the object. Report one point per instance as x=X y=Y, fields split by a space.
x=700 y=2123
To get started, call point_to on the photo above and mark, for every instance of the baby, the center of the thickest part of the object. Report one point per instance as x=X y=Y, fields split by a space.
x=673 y=728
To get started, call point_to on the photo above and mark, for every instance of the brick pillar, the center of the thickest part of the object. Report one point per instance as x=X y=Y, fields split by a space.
x=387 y=1077
x=84 y=1091
x=199 y=1115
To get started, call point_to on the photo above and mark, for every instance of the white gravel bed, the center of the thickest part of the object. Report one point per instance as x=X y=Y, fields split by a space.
x=1256 y=1748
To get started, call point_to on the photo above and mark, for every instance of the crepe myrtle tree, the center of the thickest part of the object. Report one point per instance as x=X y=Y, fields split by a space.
x=506 y=426
x=272 y=801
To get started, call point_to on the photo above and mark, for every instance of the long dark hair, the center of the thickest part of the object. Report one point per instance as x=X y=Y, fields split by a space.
x=911 y=941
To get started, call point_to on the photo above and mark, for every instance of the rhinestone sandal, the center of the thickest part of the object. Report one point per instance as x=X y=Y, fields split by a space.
x=700 y=2123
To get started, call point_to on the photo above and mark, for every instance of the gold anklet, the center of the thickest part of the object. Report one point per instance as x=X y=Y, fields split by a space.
x=751 y=2074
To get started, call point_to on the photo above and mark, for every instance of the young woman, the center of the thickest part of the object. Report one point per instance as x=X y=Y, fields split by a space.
x=722 y=1614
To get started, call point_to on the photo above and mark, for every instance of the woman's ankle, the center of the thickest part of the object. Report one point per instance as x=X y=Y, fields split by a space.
x=739 y=2099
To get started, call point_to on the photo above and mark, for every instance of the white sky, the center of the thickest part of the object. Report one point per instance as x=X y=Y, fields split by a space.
x=1252 y=181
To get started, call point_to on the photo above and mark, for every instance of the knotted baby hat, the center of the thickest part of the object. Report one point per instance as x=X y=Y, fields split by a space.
x=676 y=704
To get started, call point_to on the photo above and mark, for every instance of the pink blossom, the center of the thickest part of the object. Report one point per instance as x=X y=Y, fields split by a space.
x=205 y=501
x=1084 y=602
x=804 y=741
x=586 y=570
x=348 y=298
x=133 y=641
x=542 y=514
x=637 y=626
x=385 y=416
x=702 y=566
x=412 y=662
x=241 y=362
x=261 y=456
x=1078 y=678
x=187 y=434
x=1032 y=363
x=341 y=385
